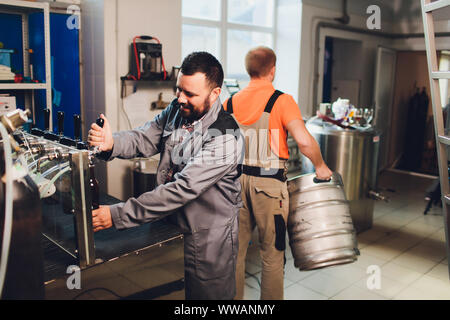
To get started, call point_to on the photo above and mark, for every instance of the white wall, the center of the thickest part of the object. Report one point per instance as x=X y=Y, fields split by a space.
x=397 y=16
x=108 y=33
x=288 y=46
x=92 y=42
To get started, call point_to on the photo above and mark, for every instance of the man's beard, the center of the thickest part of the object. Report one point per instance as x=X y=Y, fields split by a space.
x=195 y=114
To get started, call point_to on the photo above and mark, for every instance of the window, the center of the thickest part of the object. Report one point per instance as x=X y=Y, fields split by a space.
x=197 y=38
x=228 y=29
x=238 y=44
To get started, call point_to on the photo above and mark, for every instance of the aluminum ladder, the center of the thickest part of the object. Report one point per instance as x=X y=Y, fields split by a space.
x=442 y=141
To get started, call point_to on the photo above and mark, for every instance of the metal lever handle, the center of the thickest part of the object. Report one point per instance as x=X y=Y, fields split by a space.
x=61 y=123
x=77 y=127
x=100 y=122
x=46 y=119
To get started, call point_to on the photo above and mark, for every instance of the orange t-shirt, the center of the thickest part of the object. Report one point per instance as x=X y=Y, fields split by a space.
x=249 y=104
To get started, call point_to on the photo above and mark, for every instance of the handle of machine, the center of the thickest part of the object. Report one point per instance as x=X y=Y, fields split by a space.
x=46 y=119
x=317 y=180
x=61 y=123
x=100 y=122
x=77 y=127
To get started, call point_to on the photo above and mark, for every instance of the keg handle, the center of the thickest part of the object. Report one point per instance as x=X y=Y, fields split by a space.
x=317 y=180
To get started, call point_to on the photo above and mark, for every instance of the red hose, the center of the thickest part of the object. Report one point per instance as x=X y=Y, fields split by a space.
x=137 y=58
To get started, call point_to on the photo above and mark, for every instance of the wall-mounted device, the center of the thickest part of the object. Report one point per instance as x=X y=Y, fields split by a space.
x=146 y=60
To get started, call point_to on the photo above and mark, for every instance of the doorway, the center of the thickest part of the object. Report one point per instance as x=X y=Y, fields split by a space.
x=413 y=146
x=342 y=74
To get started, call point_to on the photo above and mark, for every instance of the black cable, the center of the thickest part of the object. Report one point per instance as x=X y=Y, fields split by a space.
x=93 y=289
x=252 y=275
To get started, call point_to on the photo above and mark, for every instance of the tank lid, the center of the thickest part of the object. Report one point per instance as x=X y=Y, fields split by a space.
x=318 y=125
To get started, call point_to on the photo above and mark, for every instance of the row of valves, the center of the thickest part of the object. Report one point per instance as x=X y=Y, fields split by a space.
x=59 y=136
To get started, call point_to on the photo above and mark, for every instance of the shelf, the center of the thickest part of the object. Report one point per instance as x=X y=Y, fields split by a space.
x=22 y=6
x=22 y=86
x=24 y=9
x=154 y=82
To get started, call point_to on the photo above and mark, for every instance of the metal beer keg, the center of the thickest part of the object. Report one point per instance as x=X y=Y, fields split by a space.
x=320 y=226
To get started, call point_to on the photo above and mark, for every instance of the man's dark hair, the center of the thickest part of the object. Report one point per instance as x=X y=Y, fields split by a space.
x=206 y=63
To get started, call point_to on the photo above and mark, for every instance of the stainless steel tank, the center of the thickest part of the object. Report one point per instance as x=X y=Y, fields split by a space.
x=354 y=155
x=320 y=228
x=24 y=278
x=144 y=176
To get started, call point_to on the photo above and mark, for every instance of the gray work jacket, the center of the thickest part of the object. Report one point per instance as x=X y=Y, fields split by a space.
x=203 y=194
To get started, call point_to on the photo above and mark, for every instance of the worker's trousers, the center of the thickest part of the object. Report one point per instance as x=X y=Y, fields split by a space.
x=266 y=206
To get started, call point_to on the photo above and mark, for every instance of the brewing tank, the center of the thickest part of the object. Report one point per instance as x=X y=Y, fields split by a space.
x=25 y=265
x=144 y=176
x=354 y=155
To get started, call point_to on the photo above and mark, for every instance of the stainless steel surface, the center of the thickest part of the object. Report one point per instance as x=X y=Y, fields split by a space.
x=154 y=268
x=354 y=155
x=294 y=162
x=383 y=99
x=433 y=69
x=320 y=227
x=82 y=206
x=67 y=234
x=144 y=176
x=25 y=272
x=62 y=175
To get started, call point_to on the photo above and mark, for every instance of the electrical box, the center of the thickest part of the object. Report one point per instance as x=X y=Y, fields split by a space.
x=148 y=58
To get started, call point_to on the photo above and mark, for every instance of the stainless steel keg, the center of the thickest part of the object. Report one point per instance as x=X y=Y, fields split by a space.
x=320 y=226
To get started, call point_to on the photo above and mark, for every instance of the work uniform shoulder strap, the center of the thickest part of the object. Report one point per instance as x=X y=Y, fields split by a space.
x=272 y=100
x=230 y=105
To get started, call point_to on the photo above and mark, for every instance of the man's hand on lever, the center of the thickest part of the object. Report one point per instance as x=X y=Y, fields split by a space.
x=101 y=137
x=101 y=218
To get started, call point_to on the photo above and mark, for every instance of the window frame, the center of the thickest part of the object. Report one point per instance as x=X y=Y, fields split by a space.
x=223 y=26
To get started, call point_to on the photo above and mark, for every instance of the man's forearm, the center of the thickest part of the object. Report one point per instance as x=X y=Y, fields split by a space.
x=311 y=150
x=306 y=143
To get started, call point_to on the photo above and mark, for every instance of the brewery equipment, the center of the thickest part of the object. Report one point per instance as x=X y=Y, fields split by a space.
x=52 y=207
x=320 y=228
x=353 y=153
x=144 y=176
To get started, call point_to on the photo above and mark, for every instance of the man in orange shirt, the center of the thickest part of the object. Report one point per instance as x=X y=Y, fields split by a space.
x=265 y=116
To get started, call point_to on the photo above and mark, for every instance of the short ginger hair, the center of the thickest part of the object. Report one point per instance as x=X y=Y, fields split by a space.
x=259 y=61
